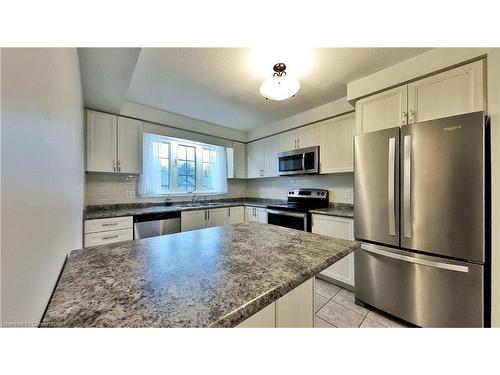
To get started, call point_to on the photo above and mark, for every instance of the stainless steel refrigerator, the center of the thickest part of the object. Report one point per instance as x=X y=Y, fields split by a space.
x=420 y=212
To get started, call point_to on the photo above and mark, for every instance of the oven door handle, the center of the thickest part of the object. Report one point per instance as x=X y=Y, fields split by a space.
x=286 y=213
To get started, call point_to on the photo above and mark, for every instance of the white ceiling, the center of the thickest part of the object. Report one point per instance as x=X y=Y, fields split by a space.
x=221 y=85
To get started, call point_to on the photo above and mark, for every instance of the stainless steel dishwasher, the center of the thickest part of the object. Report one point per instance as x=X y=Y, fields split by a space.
x=151 y=225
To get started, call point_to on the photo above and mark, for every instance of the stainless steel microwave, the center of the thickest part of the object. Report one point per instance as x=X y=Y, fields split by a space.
x=301 y=161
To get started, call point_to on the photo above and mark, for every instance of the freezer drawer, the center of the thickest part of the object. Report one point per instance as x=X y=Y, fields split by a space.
x=426 y=291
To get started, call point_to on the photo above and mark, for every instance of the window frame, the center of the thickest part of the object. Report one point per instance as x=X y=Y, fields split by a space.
x=173 y=162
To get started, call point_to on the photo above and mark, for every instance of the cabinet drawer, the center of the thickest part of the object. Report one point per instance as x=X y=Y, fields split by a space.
x=101 y=238
x=101 y=225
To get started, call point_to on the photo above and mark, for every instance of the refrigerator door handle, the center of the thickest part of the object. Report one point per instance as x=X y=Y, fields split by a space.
x=390 y=186
x=407 y=186
x=405 y=258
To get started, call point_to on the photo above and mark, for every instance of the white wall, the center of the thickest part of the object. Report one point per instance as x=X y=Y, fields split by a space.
x=335 y=108
x=42 y=175
x=172 y=119
x=494 y=111
x=338 y=186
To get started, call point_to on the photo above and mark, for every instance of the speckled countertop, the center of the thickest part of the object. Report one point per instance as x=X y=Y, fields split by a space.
x=215 y=277
x=336 y=209
x=101 y=212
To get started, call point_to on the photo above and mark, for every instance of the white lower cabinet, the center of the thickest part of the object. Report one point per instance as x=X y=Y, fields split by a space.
x=256 y=214
x=236 y=215
x=193 y=220
x=106 y=231
x=201 y=219
x=338 y=227
x=216 y=217
x=265 y=318
x=294 y=309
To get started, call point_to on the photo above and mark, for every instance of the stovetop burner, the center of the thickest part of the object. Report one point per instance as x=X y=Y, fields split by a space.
x=303 y=200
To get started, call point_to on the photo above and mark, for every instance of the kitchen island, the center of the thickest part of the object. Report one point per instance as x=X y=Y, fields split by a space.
x=215 y=277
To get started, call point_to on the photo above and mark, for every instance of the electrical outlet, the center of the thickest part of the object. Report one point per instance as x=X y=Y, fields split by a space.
x=348 y=195
x=130 y=193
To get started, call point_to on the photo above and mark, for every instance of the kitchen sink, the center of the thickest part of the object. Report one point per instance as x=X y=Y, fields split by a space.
x=198 y=204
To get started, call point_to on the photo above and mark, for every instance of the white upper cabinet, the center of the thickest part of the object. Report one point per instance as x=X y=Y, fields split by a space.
x=308 y=136
x=129 y=145
x=101 y=142
x=114 y=143
x=305 y=136
x=449 y=93
x=255 y=158
x=240 y=160
x=452 y=92
x=262 y=158
x=381 y=111
x=336 y=144
x=288 y=140
x=271 y=149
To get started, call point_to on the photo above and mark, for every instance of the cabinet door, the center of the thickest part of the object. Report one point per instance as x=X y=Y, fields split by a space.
x=217 y=217
x=271 y=149
x=336 y=145
x=265 y=318
x=236 y=215
x=240 y=160
x=230 y=162
x=250 y=214
x=453 y=92
x=308 y=136
x=101 y=142
x=261 y=214
x=342 y=270
x=295 y=309
x=381 y=111
x=192 y=220
x=288 y=140
x=129 y=145
x=254 y=159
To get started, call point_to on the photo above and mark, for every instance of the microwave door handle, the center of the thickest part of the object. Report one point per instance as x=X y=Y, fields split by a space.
x=303 y=161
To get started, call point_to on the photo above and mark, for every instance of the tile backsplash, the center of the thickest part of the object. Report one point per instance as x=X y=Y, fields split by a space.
x=107 y=188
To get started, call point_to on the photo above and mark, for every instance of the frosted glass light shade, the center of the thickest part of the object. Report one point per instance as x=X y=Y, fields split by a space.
x=279 y=88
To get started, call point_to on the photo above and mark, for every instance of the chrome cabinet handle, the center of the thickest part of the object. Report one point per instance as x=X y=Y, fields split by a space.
x=404 y=117
x=390 y=186
x=411 y=117
x=108 y=224
x=114 y=165
x=407 y=186
x=110 y=237
x=119 y=166
x=424 y=262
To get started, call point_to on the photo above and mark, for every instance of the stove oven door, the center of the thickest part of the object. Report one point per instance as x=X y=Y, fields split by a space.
x=288 y=219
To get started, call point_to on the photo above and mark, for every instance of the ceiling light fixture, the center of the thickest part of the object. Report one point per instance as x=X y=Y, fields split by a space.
x=279 y=86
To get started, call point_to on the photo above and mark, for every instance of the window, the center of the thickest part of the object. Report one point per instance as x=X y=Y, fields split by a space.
x=175 y=166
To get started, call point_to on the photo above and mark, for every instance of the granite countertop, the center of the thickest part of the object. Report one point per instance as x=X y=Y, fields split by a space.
x=108 y=211
x=336 y=209
x=215 y=277
x=119 y=210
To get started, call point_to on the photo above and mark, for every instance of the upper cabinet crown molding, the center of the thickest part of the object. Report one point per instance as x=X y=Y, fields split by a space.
x=114 y=143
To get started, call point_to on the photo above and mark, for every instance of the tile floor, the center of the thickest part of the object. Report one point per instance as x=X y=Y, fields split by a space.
x=335 y=307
